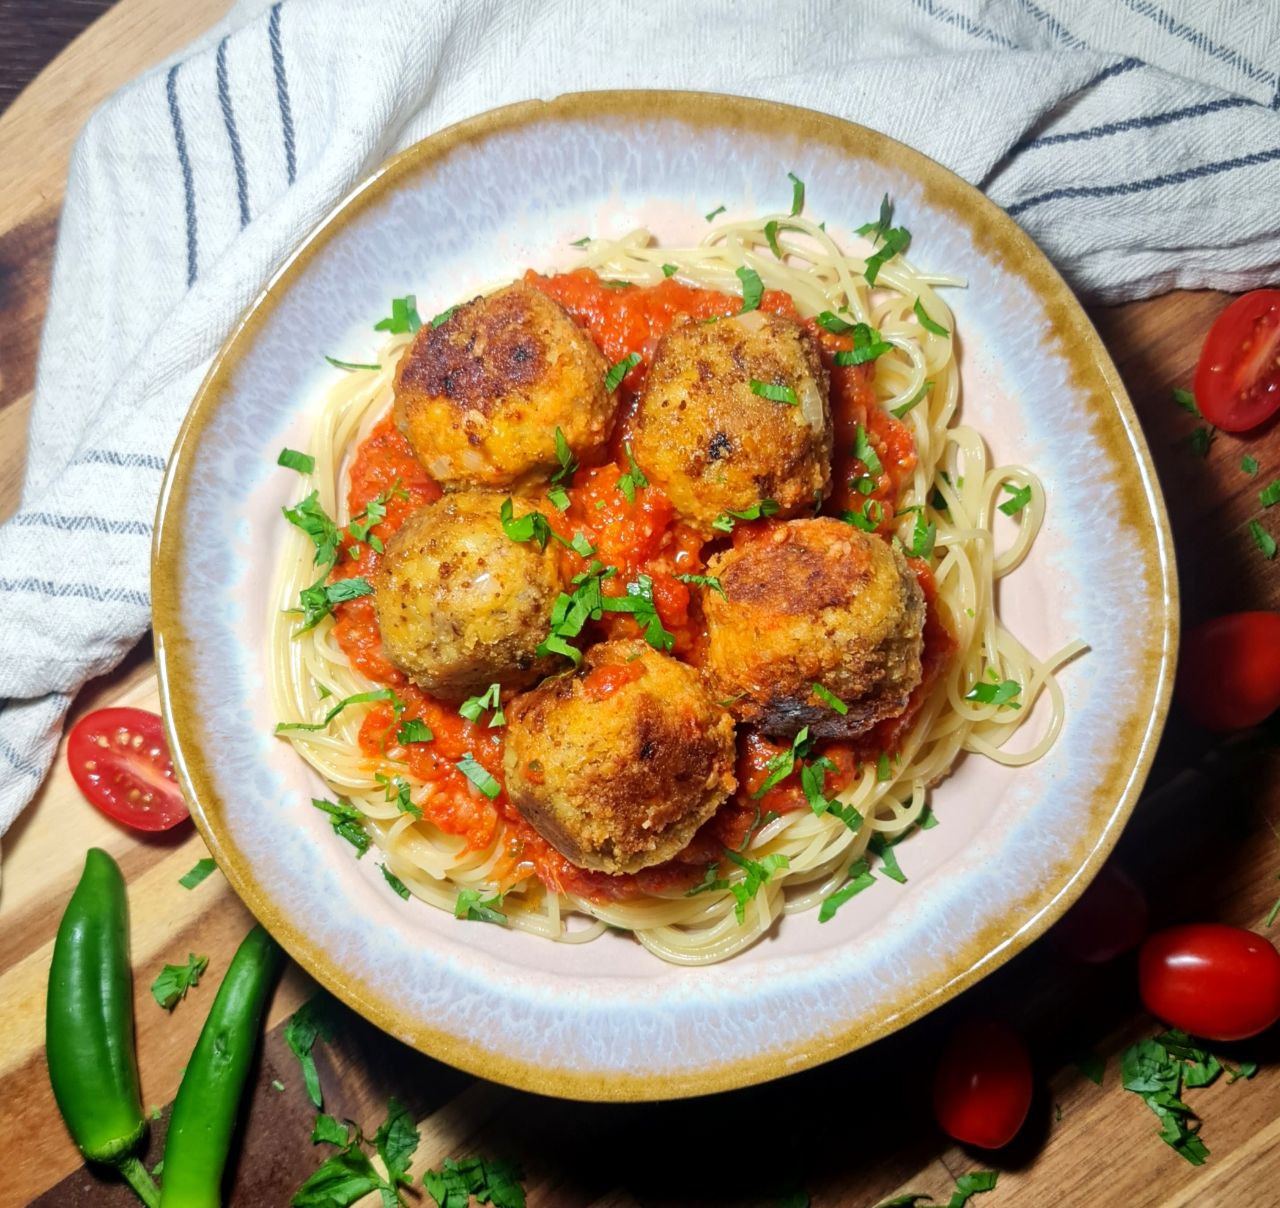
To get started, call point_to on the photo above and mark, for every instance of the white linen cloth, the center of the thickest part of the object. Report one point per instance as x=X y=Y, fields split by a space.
x=1137 y=140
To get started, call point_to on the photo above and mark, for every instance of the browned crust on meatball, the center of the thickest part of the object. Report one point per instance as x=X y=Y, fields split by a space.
x=814 y=601
x=622 y=783
x=714 y=445
x=460 y=605
x=480 y=397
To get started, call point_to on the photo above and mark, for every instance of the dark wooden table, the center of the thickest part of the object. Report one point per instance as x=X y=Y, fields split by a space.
x=1203 y=843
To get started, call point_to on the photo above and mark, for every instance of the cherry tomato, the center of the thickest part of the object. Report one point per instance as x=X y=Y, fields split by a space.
x=982 y=1086
x=1215 y=981
x=1229 y=670
x=120 y=762
x=1109 y=918
x=1238 y=378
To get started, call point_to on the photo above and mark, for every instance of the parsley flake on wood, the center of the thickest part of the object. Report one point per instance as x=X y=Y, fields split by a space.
x=291 y=459
x=471 y=768
x=475 y=907
x=342 y=1180
x=309 y=1023
x=328 y=1131
x=473 y=706
x=1092 y=1066
x=1200 y=440
x=404 y=317
x=173 y=981
x=337 y=364
x=927 y=323
x=752 y=288
x=396 y=1139
x=394 y=881
x=349 y=1175
x=867 y=346
x=1263 y=540
x=198 y=873
x=1187 y=401
x=1270 y=494
x=619 y=370
x=358 y=698
x=347 y=822
x=489 y=1181
x=1249 y=465
x=967 y=1186
x=774 y=392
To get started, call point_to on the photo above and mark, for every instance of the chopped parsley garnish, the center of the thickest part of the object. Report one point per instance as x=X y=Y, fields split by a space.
x=784 y=763
x=616 y=284
x=1263 y=540
x=1020 y=497
x=633 y=479
x=895 y=240
x=1092 y=1066
x=173 y=981
x=639 y=603
x=476 y=908
x=478 y=776
x=724 y=523
x=797 y=193
x=771 y=237
x=883 y=848
x=775 y=393
x=396 y=788
x=313 y=520
x=884 y=771
x=834 y=323
x=713 y=213
x=992 y=691
x=394 y=881
x=1249 y=465
x=291 y=459
x=867 y=345
x=201 y=869
x=756 y=873
x=860 y=878
x=900 y=412
x=309 y=1023
x=830 y=699
x=923 y=537
x=752 y=288
x=413 y=730
x=570 y=613
x=1187 y=401
x=443 y=317
x=489 y=1181
x=669 y=270
x=877 y=229
x=865 y=452
x=1270 y=494
x=375 y=511
x=532 y=526
x=813 y=783
x=347 y=822
x=349 y=1175
x=619 y=370
x=927 y=323
x=404 y=316
x=928 y=819
x=320 y=599
x=1200 y=440
x=868 y=519
x=558 y=498
x=473 y=706
x=358 y=698
x=337 y=364
x=581 y=242
x=708 y=581
x=568 y=463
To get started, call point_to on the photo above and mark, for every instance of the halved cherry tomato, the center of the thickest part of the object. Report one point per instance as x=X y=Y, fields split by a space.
x=1215 y=981
x=982 y=1086
x=120 y=762
x=1109 y=918
x=1229 y=670
x=1237 y=382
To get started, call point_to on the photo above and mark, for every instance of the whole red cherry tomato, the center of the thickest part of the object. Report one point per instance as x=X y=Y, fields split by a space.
x=982 y=1086
x=1229 y=670
x=120 y=762
x=1237 y=382
x=1109 y=918
x=1215 y=981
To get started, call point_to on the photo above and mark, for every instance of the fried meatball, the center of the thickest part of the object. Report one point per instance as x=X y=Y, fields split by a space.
x=814 y=601
x=460 y=604
x=480 y=397
x=618 y=765
x=715 y=445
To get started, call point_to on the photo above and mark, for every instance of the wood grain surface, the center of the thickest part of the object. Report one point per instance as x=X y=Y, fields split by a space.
x=1205 y=843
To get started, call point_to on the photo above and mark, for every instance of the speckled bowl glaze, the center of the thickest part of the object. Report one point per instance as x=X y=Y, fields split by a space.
x=478 y=203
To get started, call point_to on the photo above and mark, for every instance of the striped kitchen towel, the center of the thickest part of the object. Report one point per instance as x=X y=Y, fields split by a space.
x=1137 y=140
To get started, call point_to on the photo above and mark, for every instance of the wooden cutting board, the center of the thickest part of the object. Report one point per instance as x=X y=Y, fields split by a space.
x=853 y=1133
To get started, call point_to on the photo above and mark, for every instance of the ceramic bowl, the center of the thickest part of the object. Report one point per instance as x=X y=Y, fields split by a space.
x=478 y=203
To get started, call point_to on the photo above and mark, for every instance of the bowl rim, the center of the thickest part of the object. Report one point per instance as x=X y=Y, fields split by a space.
x=1116 y=794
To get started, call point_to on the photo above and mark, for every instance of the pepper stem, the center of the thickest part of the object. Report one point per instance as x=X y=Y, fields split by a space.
x=142 y=1183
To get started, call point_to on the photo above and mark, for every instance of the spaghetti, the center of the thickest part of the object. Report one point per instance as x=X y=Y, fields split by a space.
x=978 y=699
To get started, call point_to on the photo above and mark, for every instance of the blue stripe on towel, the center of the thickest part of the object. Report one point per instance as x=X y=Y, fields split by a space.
x=79 y=591
x=282 y=91
x=123 y=461
x=80 y=522
x=233 y=135
x=188 y=185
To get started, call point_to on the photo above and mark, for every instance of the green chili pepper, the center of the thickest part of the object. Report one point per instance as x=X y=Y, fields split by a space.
x=204 y=1113
x=89 y=1025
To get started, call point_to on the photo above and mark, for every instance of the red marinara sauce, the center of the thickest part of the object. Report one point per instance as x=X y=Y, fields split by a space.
x=640 y=535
